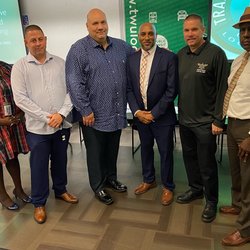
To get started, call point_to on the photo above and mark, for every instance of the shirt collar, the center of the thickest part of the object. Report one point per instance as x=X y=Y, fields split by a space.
x=31 y=58
x=197 y=51
x=150 y=52
x=95 y=44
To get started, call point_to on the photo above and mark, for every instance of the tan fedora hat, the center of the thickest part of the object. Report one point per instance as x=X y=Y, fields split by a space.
x=245 y=18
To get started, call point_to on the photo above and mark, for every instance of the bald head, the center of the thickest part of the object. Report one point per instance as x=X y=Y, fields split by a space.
x=149 y=25
x=97 y=26
x=95 y=12
x=147 y=36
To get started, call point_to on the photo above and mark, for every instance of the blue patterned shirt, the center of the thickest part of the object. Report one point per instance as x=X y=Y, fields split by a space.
x=96 y=80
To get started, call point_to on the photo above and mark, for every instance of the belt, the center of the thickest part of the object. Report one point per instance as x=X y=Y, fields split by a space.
x=237 y=119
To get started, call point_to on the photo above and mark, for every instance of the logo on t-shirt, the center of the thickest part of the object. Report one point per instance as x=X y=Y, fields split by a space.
x=201 y=68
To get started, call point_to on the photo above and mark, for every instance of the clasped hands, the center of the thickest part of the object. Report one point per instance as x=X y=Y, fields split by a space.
x=55 y=120
x=145 y=117
x=11 y=120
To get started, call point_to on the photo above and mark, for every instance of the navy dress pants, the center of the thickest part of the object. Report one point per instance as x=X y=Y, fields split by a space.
x=45 y=148
x=163 y=135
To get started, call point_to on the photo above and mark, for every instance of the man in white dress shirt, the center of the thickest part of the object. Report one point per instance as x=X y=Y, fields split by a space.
x=238 y=139
x=39 y=88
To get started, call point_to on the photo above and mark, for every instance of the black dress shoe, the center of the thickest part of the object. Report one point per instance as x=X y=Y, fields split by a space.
x=188 y=197
x=116 y=186
x=209 y=213
x=24 y=197
x=104 y=197
x=13 y=207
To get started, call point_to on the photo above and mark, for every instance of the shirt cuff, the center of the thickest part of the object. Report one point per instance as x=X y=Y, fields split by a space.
x=136 y=112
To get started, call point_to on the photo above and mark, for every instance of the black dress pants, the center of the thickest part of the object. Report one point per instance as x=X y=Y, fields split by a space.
x=102 y=152
x=199 y=148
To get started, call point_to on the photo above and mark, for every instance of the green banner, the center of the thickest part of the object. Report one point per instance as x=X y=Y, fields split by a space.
x=167 y=16
x=11 y=34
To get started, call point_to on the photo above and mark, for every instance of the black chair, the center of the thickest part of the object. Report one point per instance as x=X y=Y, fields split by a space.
x=220 y=142
x=134 y=128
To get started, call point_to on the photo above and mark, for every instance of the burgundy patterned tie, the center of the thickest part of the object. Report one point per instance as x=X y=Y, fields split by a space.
x=233 y=83
x=143 y=67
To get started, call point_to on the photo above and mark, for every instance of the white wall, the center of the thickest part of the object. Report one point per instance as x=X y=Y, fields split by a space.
x=63 y=21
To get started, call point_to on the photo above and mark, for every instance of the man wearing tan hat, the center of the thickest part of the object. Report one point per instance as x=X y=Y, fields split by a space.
x=237 y=108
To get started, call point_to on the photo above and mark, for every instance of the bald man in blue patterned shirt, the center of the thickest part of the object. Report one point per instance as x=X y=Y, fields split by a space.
x=96 y=80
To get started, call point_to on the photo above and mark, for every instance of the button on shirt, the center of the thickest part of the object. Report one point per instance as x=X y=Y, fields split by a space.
x=240 y=98
x=96 y=79
x=40 y=90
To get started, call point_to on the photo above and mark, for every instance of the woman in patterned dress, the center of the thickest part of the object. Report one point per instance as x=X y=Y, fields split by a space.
x=12 y=140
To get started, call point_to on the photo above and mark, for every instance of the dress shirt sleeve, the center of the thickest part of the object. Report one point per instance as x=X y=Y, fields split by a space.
x=21 y=96
x=77 y=73
x=67 y=106
x=221 y=69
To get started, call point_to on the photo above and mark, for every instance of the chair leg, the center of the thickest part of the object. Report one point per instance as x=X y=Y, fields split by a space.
x=174 y=136
x=134 y=150
x=71 y=148
x=80 y=132
x=133 y=145
x=220 y=143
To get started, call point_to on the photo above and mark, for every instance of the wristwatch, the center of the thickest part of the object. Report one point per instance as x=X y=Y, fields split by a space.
x=63 y=117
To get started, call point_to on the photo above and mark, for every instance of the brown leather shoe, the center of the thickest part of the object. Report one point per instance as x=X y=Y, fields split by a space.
x=40 y=215
x=234 y=239
x=144 y=187
x=167 y=197
x=230 y=210
x=70 y=198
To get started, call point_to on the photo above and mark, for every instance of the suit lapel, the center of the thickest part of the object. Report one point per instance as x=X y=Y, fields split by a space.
x=137 y=69
x=155 y=63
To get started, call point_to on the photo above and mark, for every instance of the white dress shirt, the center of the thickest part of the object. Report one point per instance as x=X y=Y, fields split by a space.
x=149 y=65
x=39 y=90
x=239 y=104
